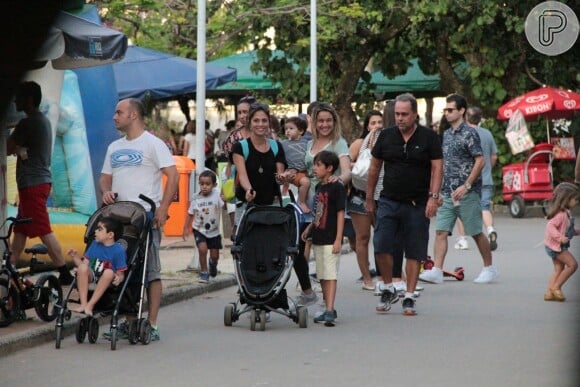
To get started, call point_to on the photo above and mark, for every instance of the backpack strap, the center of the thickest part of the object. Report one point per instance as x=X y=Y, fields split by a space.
x=274 y=146
x=246 y=147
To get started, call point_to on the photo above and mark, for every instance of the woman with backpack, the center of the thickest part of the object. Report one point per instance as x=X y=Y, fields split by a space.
x=258 y=161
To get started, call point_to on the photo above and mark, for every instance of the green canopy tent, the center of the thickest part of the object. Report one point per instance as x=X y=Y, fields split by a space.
x=248 y=81
x=414 y=81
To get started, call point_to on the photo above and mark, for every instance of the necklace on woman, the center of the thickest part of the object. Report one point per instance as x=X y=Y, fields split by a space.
x=261 y=155
x=260 y=169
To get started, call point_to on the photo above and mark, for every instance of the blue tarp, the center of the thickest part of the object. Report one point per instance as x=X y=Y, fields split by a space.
x=157 y=75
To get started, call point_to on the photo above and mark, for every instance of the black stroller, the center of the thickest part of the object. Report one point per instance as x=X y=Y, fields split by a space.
x=127 y=298
x=264 y=250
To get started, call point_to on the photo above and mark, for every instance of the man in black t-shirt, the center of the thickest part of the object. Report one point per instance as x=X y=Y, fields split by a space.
x=413 y=162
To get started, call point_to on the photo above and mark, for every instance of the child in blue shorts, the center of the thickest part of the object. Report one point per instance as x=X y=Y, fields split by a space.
x=104 y=263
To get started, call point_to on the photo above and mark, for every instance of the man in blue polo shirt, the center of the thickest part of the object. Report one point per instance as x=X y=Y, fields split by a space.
x=412 y=159
x=462 y=166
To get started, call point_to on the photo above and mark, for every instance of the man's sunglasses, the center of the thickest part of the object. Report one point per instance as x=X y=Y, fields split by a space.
x=249 y=99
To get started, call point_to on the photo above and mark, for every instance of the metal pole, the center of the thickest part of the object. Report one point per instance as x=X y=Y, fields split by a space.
x=313 y=52
x=200 y=89
x=199 y=100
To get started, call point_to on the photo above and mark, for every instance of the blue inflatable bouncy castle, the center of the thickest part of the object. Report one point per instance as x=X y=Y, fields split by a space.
x=84 y=130
x=99 y=98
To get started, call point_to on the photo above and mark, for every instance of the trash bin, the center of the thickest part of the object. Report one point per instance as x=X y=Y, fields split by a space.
x=178 y=208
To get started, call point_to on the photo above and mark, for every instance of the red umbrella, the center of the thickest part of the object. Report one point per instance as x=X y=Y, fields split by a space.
x=547 y=101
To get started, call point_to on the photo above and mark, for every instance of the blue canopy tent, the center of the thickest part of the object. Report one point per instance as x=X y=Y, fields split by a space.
x=145 y=73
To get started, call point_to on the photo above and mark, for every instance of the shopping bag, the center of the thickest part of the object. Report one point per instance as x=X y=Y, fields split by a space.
x=229 y=189
x=517 y=134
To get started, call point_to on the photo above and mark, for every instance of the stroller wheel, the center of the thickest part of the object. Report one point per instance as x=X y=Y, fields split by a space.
x=253 y=317
x=58 y=333
x=302 y=316
x=134 y=331
x=228 y=315
x=145 y=331
x=262 y=320
x=113 y=339
x=81 y=330
x=93 y=330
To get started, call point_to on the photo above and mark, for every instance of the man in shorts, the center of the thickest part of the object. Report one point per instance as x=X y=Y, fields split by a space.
x=461 y=193
x=489 y=149
x=413 y=167
x=31 y=142
x=134 y=165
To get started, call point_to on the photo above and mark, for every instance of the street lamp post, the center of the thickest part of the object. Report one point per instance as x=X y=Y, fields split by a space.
x=313 y=52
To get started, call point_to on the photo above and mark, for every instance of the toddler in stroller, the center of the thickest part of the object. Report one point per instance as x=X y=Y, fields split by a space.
x=125 y=296
x=104 y=263
x=264 y=250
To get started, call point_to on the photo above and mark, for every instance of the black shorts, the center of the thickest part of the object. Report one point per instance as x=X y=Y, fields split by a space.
x=212 y=243
x=404 y=223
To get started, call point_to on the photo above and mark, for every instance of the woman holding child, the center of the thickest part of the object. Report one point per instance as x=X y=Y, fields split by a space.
x=327 y=135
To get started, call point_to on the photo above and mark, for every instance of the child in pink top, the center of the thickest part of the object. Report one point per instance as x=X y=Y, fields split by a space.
x=559 y=231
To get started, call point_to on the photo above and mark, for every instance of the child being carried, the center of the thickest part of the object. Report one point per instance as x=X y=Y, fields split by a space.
x=295 y=150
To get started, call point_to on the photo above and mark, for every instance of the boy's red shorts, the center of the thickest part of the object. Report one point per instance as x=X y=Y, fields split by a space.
x=32 y=204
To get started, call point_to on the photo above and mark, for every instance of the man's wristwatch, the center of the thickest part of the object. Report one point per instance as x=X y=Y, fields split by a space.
x=467 y=186
x=434 y=195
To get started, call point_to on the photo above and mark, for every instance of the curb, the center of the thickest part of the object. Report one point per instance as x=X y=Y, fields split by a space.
x=45 y=333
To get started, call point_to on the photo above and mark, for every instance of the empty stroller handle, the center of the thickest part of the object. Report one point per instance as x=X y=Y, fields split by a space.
x=149 y=201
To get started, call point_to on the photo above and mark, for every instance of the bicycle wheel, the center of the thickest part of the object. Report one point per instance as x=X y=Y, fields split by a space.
x=9 y=303
x=49 y=298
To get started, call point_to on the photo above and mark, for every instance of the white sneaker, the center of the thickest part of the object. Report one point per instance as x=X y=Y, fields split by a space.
x=400 y=286
x=434 y=276
x=378 y=290
x=461 y=244
x=488 y=274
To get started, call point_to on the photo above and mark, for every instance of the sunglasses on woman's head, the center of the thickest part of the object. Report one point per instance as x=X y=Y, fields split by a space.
x=260 y=106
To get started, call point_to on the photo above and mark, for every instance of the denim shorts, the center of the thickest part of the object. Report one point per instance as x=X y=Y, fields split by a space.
x=405 y=221
x=356 y=204
x=486 y=196
x=554 y=254
x=469 y=211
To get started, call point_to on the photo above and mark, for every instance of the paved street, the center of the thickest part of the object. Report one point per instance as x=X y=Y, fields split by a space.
x=502 y=334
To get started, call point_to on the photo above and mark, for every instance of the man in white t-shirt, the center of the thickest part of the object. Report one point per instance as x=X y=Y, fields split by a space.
x=134 y=165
